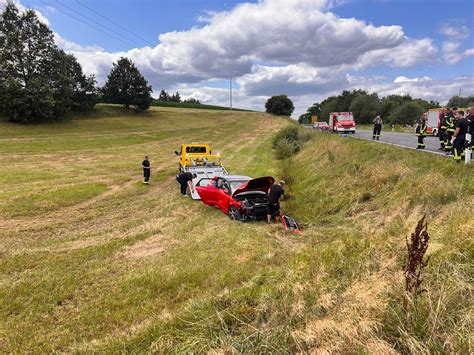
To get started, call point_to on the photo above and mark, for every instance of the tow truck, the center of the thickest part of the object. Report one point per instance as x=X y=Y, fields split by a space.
x=197 y=158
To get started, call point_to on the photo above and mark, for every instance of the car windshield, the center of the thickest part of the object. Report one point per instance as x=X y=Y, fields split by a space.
x=234 y=185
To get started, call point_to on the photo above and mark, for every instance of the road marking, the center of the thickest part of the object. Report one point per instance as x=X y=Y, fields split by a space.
x=402 y=146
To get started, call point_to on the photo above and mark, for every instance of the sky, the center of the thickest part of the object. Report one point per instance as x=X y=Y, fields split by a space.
x=307 y=49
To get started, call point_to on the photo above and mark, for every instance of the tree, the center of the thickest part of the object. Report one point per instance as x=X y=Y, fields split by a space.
x=407 y=114
x=164 y=96
x=280 y=105
x=192 y=100
x=391 y=102
x=125 y=85
x=365 y=107
x=38 y=81
x=458 y=101
x=314 y=109
x=327 y=106
x=176 y=97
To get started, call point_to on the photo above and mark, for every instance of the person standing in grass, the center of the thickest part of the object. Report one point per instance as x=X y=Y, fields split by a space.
x=378 y=122
x=146 y=170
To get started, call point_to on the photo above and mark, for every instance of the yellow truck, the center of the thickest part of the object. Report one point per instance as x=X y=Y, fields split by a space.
x=197 y=158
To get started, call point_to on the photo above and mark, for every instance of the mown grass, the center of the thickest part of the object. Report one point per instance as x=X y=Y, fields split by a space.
x=122 y=267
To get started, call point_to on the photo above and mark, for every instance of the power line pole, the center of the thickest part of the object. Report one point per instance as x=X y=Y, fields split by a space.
x=230 y=93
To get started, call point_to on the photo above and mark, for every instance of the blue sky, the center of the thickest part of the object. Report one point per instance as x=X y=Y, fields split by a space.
x=308 y=49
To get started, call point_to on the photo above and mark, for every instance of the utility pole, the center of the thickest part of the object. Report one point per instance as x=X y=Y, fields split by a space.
x=230 y=97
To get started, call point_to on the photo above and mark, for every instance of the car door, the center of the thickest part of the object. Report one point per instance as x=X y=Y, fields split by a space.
x=223 y=197
x=209 y=192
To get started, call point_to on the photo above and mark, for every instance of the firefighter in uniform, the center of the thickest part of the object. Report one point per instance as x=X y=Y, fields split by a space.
x=421 y=131
x=470 y=117
x=442 y=129
x=459 y=136
x=448 y=146
x=377 y=128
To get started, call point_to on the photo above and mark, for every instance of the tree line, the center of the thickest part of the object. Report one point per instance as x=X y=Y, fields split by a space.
x=165 y=97
x=40 y=82
x=394 y=109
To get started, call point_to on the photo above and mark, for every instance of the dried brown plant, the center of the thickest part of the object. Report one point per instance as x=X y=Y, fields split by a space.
x=416 y=249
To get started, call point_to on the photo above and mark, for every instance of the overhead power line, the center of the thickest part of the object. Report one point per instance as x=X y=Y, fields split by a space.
x=87 y=24
x=115 y=23
x=101 y=27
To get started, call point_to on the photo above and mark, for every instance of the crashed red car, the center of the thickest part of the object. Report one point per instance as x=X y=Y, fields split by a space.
x=240 y=197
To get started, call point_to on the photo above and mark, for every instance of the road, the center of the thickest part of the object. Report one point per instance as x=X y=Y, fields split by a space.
x=405 y=140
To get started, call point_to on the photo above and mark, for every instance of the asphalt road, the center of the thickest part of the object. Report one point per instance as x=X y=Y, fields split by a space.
x=405 y=140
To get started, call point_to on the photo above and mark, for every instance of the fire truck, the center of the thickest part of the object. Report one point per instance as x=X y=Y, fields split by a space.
x=434 y=118
x=342 y=122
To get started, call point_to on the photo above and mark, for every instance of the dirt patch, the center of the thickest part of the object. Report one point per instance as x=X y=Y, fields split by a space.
x=147 y=248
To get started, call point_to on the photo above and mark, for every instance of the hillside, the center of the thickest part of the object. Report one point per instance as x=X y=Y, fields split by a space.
x=92 y=260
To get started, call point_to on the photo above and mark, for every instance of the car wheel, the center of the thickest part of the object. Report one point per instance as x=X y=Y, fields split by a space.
x=234 y=214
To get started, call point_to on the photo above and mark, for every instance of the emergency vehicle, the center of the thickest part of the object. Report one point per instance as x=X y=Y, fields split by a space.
x=434 y=118
x=342 y=122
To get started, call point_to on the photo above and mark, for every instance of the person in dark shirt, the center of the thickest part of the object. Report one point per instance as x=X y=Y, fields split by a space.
x=146 y=170
x=275 y=194
x=459 y=136
x=470 y=118
x=185 y=179
x=378 y=122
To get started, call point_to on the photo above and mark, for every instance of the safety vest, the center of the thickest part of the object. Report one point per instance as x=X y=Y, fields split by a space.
x=443 y=124
x=450 y=124
x=421 y=129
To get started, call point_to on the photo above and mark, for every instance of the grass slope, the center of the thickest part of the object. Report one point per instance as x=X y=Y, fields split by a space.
x=92 y=260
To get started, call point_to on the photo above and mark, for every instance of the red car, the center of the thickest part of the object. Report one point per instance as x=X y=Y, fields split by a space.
x=321 y=126
x=240 y=197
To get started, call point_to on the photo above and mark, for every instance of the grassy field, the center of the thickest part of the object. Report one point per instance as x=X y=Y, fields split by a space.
x=92 y=260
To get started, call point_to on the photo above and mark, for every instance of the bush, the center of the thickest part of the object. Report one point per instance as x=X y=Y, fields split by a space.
x=286 y=148
x=287 y=141
x=289 y=133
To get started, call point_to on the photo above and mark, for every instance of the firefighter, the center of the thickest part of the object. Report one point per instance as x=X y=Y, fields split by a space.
x=421 y=131
x=459 y=136
x=146 y=170
x=449 y=117
x=378 y=122
x=442 y=129
x=470 y=117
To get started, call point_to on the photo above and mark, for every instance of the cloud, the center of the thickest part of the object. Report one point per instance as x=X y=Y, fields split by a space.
x=404 y=79
x=292 y=80
x=278 y=46
x=455 y=31
x=284 y=33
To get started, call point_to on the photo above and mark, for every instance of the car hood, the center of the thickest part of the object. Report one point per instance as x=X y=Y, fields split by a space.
x=258 y=184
